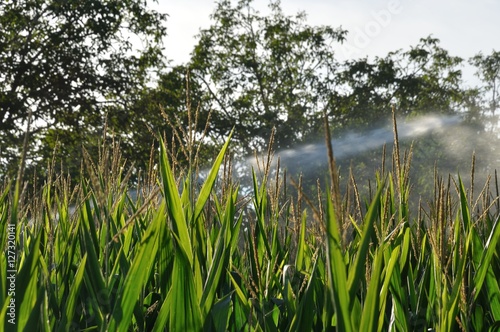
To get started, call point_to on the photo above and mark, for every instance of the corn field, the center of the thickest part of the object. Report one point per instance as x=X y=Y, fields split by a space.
x=188 y=257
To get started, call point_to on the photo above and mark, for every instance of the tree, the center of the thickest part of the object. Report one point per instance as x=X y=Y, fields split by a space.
x=422 y=80
x=172 y=108
x=264 y=71
x=67 y=63
x=431 y=80
x=488 y=71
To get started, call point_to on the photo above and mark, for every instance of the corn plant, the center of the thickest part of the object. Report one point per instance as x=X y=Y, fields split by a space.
x=183 y=257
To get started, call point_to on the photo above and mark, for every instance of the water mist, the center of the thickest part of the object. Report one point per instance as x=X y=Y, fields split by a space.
x=445 y=143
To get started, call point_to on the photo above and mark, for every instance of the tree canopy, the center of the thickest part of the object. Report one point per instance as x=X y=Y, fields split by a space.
x=264 y=71
x=424 y=79
x=65 y=63
x=82 y=67
x=488 y=70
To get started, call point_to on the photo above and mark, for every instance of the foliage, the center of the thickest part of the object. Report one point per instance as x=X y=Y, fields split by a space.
x=283 y=50
x=488 y=70
x=171 y=109
x=74 y=66
x=182 y=257
x=424 y=79
x=264 y=71
x=63 y=63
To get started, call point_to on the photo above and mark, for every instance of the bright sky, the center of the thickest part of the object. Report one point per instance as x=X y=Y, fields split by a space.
x=375 y=27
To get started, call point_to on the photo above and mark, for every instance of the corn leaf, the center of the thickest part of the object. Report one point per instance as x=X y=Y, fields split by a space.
x=174 y=206
x=74 y=290
x=136 y=276
x=337 y=270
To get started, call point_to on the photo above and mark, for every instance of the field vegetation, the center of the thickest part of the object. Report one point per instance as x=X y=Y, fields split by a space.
x=123 y=206
x=185 y=255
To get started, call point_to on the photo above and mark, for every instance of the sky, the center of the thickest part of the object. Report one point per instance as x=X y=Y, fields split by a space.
x=375 y=27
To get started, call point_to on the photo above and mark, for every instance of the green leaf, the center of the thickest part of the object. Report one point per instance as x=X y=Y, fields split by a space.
x=337 y=285
x=74 y=290
x=356 y=272
x=174 y=206
x=28 y=289
x=220 y=313
x=137 y=275
x=369 y=317
x=206 y=189
x=490 y=249
x=301 y=245
x=185 y=315
x=221 y=256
